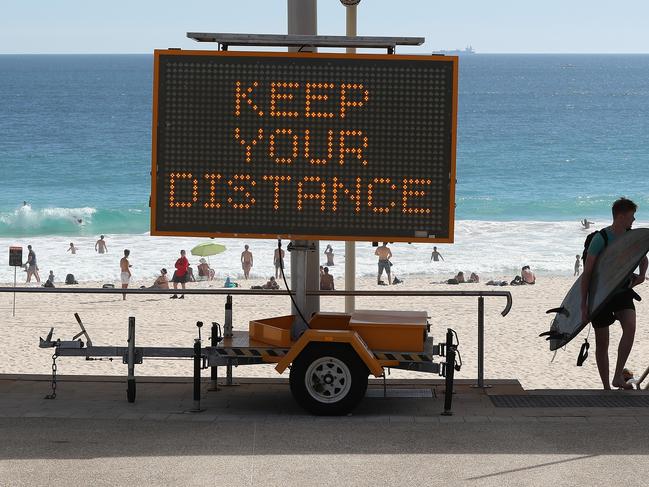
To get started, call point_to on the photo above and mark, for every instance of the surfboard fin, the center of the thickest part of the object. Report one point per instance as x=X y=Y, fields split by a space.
x=561 y=310
x=636 y=296
x=552 y=335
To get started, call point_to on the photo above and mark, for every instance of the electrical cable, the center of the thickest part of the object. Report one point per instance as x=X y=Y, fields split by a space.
x=281 y=268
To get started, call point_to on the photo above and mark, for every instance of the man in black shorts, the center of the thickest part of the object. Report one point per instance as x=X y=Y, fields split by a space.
x=621 y=306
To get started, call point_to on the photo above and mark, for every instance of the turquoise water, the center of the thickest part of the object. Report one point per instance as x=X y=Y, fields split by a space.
x=541 y=138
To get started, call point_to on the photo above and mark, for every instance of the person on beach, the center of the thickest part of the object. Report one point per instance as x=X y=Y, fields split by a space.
x=384 y=253
x=435 y=255
x=326 y=280
x=100 y=245
x=32 y=267
x=577 y=265
x=50 y=280
x=620 y=307
x=162 y=281
x=270 y=284
x=527 y=276
x=205 y=272
x=125 y=271
x=72 y=249
x=278 y=261
x=474 y=278
x=329 y=253
x=458 y=279
x=246 y=261
x=181 y=274
x=586 y=224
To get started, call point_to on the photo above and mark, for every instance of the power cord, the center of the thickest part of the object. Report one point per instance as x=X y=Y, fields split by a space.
x=281 y=268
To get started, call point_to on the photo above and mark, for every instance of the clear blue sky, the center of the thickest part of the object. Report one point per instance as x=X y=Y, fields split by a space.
x=139 y=26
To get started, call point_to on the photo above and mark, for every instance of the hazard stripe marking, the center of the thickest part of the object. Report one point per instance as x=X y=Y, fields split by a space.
x=250 y=352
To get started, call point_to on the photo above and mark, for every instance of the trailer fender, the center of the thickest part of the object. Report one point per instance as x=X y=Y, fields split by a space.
x=332 y=336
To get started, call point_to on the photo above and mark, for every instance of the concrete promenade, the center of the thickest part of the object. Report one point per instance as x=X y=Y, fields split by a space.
x=255 y=434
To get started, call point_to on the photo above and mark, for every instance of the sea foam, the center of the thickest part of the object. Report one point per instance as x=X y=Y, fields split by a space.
x=492 y=249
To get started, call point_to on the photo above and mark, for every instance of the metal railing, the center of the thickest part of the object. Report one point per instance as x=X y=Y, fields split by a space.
x=282 y=292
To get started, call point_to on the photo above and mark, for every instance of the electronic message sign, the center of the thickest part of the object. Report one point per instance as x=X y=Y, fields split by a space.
x=303 y=145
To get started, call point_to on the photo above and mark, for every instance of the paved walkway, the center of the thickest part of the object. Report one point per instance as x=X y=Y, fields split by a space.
x=171 y=399
x=254 y=433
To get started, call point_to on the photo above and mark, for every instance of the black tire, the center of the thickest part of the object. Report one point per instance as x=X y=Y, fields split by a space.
x=319 y=363
x=130 y=390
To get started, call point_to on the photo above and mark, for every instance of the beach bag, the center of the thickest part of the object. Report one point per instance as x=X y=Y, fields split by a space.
x=69 y=279
x=589 y=239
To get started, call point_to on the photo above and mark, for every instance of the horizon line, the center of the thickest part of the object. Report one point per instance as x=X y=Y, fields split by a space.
x=409 y=52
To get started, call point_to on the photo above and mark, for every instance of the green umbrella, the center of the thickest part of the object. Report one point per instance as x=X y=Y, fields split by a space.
x=206 y=249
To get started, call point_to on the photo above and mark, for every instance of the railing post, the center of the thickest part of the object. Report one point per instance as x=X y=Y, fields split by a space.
x=130 y=361
x=480 y=342
x=227 y=332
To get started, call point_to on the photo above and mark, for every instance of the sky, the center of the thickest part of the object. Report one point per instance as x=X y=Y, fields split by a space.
x=497 y=26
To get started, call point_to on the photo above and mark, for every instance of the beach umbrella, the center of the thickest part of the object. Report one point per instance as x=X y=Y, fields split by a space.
x=206 y=249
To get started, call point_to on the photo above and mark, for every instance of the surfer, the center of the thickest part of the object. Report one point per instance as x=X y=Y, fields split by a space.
x=620 y=307
x=586 y=224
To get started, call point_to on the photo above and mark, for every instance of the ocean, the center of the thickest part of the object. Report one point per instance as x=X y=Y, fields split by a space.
x=543 y=141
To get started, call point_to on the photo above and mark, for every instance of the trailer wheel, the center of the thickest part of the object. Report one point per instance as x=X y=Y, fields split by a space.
x=328 y=379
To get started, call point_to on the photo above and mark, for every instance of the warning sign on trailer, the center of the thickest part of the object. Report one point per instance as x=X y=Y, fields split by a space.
x=302 y=145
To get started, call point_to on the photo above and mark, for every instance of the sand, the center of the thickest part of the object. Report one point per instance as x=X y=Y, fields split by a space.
x=512 y=346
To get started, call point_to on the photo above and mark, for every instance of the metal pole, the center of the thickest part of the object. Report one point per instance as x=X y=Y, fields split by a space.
x=227 y=332
x=214 y=370
x=227 y=323
x=130 y=360
x=197 y=375
x=350 y=246
x=481 y=341
x=14 y=308
x=450 y=373
x=302 y=17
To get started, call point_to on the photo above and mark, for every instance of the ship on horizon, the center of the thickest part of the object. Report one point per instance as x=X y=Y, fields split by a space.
x=468 y=50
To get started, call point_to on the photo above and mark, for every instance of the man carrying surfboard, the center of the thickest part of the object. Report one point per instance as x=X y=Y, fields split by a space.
x=620 y=306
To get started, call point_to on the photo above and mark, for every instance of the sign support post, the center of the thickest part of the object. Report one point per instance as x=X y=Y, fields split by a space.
x=302 y=19
x=15 y=260
x=350 y=245
x=14 y=307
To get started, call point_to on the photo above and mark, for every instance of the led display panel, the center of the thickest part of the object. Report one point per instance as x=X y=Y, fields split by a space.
x=303 y=145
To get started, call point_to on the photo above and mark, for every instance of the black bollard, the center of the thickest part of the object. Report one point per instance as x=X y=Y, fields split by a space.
x=214 y=341
x=450 y=373
x=197 y=369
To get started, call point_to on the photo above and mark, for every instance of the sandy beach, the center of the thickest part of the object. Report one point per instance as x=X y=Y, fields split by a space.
x=512 y=346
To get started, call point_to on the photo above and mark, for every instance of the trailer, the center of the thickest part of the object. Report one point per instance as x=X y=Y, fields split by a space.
x=329 y=363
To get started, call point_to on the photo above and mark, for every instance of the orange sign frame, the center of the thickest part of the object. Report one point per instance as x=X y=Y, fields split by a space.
x=289 y=235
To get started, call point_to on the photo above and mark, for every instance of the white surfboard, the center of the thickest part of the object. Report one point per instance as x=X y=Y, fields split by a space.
x=612 y=271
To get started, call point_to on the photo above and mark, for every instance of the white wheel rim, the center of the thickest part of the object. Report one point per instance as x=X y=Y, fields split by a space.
x=328 y=380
